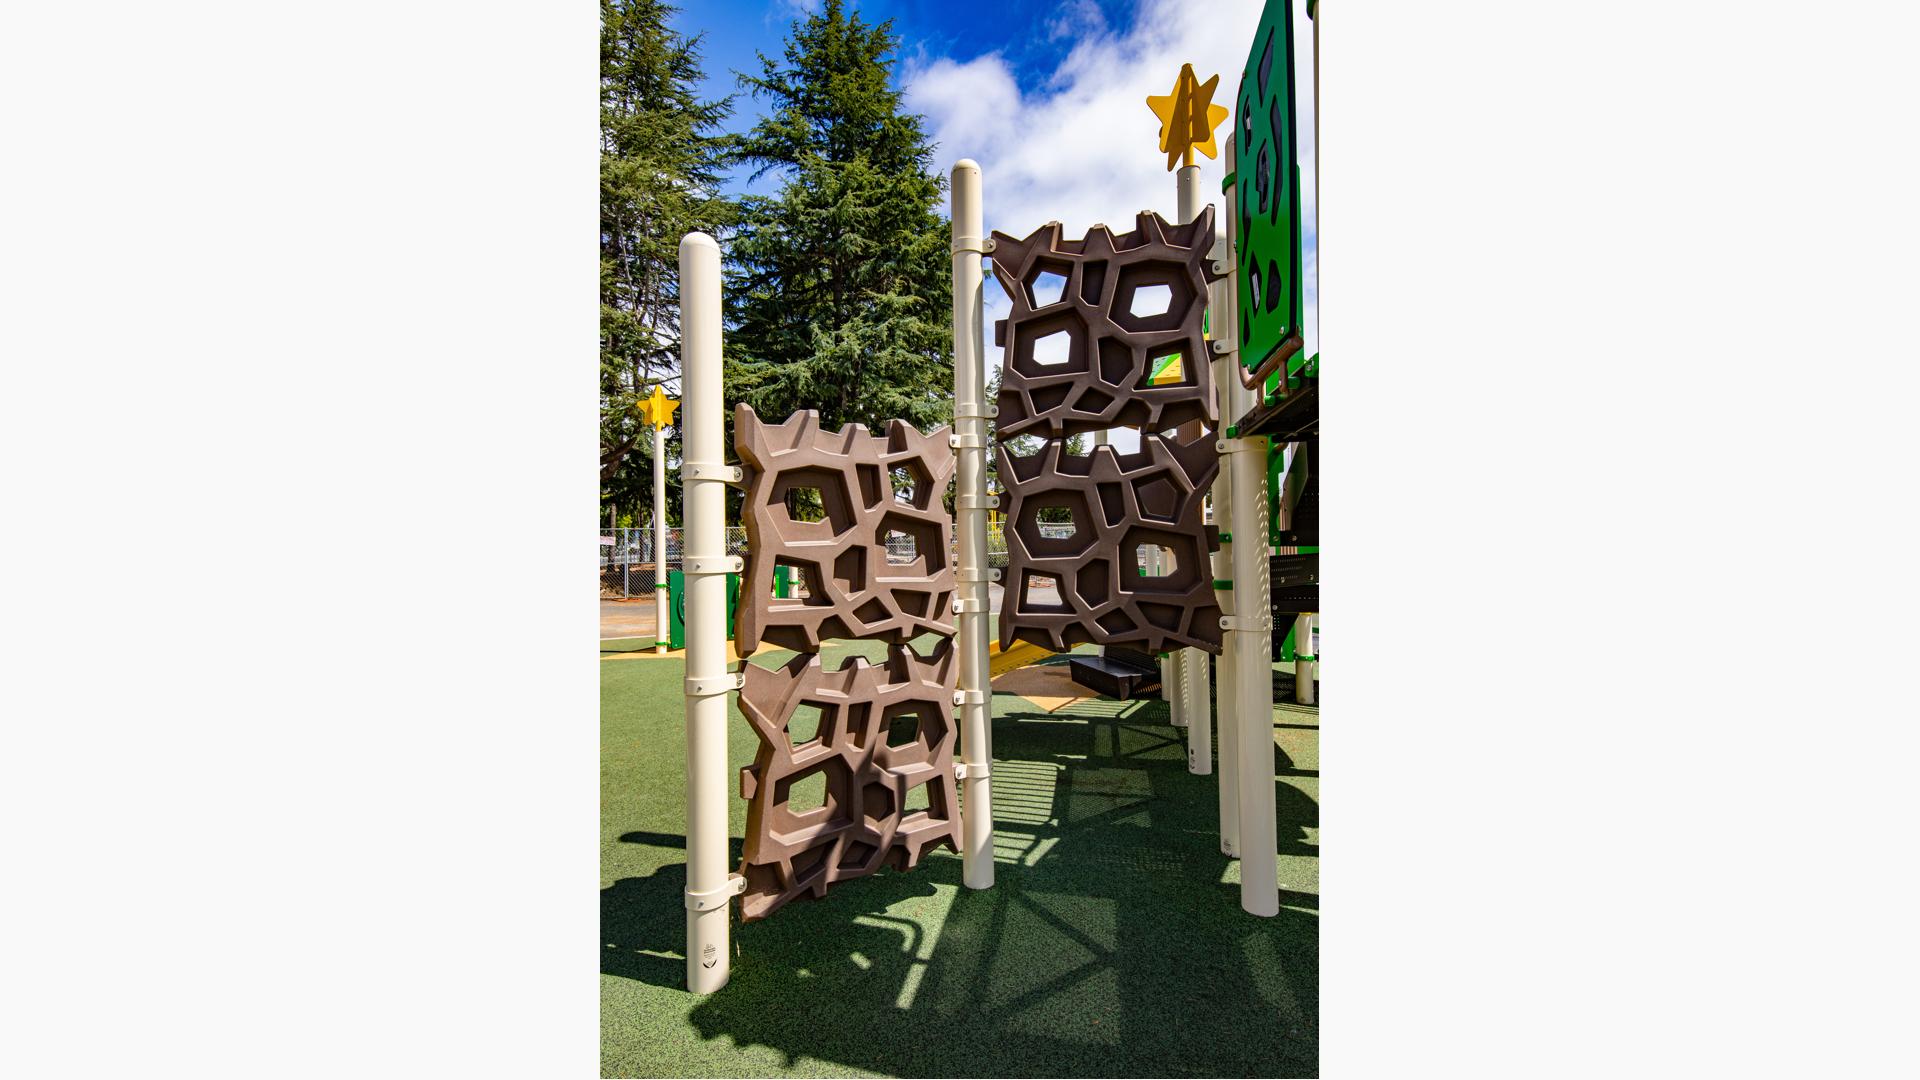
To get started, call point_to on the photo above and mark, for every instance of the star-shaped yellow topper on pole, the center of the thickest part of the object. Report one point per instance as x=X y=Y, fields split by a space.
x=1187 y=117
x=658 y=409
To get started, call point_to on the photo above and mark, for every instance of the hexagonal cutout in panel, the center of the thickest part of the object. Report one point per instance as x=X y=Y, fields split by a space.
x=901 y=550
x=1047 y=284
x=1054 y=349
x=1150 y=301
x=807 y=724
x=1155 y=561
x=1134 y=302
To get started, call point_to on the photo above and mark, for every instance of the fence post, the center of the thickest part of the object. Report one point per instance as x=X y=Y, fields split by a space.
x=972 y=602
x=704 y=568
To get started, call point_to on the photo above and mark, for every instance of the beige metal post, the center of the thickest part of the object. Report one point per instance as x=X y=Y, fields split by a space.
x=660 y=634
x=1249 y=634
x=704 y=564
x=1303 y=658
x=1190 y=665
x=1224 y=324
x=973 y=611
x=1303 y=675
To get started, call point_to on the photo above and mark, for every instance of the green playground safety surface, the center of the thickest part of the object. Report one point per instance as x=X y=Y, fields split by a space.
x=1112 y=943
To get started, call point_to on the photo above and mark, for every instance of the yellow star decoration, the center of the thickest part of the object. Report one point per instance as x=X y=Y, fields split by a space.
x=658 y=409
x=1187 y=117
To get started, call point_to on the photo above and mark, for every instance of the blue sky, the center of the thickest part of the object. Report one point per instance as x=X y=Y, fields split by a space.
x=1033 y=38
x=1048 y=95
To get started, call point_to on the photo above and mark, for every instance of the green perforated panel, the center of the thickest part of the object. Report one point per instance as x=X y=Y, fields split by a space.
x=1267 y=172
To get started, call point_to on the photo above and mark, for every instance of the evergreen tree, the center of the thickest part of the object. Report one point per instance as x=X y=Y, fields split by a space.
x=839 y=286
x=660 y=164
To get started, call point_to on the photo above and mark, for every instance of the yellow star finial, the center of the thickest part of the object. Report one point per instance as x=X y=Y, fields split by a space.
x=1187 y=117
x=658 y=409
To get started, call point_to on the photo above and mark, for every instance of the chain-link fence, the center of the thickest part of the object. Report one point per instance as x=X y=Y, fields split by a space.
x=627 y=558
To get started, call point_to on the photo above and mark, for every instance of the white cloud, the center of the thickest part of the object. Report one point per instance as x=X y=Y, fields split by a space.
x=1080 y=147
x=1076 y=18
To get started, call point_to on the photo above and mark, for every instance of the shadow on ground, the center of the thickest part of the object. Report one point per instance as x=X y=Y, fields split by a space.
x=1112 y=943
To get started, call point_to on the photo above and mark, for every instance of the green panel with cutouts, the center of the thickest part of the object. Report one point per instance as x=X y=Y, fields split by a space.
x=1267 y=172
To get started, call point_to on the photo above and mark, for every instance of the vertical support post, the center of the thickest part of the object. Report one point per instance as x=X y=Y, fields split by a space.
x=1225 y=323
x=1198 y=679
x=970 y=563
x=659 y=539
x=1303 y=658
x=1170 y=681
x=1250 y=636
x=1305 y=678
x=1190 y=664
x=1099 y=439
x=703 y=497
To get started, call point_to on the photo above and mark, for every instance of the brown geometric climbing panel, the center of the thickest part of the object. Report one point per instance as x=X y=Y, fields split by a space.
x=871 y=489
x=1088 y=587
x=854 y=771
x=1103 y=374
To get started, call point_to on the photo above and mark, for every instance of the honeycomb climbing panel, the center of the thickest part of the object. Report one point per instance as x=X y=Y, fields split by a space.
x=1105 y=331
x=877 y=496
x=855 y=771
x=1089 y=586
x=855 y=768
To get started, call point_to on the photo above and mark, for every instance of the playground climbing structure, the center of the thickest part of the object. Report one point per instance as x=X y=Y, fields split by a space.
x=879 y=738
x=1225 y=406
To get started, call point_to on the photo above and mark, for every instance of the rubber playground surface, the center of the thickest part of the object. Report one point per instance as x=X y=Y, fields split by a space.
x=1112 y=943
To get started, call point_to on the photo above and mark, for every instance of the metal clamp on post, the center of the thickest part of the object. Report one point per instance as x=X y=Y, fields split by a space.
x=963 y=605
x=973 y=410
x=969 y=697
x=968 y=441
x=713 y=898
x=712 y=564
x=976 y=502
x=703 y=470
x=975 y=244
x=1261 y=623
x=709 y=685
x=964 y=771
x=971 y=575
